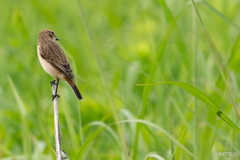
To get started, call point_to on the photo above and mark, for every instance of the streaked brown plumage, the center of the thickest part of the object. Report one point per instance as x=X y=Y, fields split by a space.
x=53 y=59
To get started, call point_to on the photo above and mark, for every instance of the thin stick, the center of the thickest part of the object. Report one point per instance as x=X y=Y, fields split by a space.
x=56 y=123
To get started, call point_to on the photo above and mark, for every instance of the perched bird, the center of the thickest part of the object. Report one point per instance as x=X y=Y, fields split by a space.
x=54 y=61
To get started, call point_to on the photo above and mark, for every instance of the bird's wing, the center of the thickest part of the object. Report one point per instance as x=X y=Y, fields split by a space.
x=54 y=55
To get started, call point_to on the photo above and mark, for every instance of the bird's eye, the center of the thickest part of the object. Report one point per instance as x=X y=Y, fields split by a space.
x=52 y=33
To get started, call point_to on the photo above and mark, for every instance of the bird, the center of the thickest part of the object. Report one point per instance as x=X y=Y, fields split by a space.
x=54 y=61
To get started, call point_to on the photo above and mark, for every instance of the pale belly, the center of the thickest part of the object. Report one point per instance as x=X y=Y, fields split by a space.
x=49 y=68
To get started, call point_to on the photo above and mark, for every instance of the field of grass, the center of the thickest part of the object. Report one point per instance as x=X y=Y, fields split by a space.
x=119 y=51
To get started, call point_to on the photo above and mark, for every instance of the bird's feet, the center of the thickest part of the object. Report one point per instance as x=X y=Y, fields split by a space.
x=54 y=96
x=52 y=82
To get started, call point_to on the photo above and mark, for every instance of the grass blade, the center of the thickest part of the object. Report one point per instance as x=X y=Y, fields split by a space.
x=177 y=146
x=203 y=97
x=94 y=50
x=108 y=129
x=23 y=114
x=147 y=89
x=171 y=137
x=7 y=152
x=180 y=42
x=70 y=125
x=153 y=155
x=46 y=138
x=217 y=59
x=86 y=143
x=220 y=14
x=235 y=56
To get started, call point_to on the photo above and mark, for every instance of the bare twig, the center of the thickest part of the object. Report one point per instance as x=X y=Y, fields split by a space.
x=56 y=124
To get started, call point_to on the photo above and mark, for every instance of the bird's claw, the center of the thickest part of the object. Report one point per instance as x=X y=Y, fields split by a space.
x=54 y=96
x=52 y=82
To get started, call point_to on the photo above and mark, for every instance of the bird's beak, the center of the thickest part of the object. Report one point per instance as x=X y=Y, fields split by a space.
x=57 y=39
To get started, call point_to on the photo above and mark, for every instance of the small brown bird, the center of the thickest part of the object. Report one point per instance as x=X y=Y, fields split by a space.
x=54 y=61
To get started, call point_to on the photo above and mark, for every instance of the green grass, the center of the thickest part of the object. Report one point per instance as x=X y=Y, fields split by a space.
x=185 y=56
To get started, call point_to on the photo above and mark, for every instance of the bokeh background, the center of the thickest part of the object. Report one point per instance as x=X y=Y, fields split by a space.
x=113 y=45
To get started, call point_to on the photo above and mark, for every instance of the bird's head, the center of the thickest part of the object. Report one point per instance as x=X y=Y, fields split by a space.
x=48 y=34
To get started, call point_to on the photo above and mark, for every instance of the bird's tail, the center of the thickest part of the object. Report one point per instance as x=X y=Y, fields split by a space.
x=77 y=93
x=75 y=89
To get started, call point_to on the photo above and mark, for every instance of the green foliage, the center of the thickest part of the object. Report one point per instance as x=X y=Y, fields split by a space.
x=113 y=45
x=201 y=96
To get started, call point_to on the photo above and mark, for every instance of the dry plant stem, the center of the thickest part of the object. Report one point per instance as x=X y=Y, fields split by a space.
x=56 y=124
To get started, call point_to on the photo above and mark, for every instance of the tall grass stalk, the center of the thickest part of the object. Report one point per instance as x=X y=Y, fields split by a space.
x=147 y=89
x=95 y=52
x=194 y=59
x=177 y=146
x=217 y=59
x=203 y=97
x=23 y=113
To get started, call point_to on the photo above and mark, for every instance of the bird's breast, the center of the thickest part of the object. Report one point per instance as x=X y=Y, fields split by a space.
x=49 y=68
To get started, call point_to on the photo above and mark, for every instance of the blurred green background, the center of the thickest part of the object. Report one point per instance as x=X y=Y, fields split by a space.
x=113 y=45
